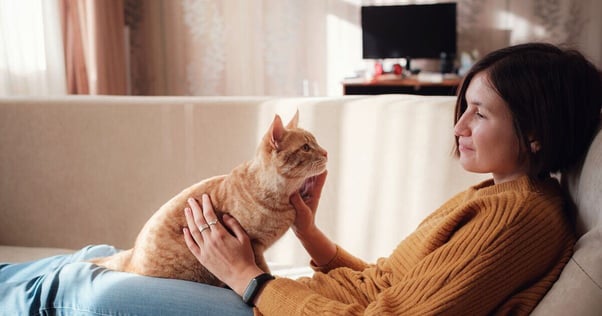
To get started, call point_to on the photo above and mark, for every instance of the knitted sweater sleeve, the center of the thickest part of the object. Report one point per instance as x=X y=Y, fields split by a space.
x=341 y=259
x=481 y=260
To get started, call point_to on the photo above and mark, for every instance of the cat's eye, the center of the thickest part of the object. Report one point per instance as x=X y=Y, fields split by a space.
x=306 y=147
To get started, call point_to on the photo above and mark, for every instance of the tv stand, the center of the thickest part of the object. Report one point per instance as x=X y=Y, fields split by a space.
x=388 y=84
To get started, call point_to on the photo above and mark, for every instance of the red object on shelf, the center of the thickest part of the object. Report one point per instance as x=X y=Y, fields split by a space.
x=378 y=69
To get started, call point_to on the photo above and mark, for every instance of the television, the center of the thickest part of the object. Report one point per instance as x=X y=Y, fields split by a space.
x=409 y=31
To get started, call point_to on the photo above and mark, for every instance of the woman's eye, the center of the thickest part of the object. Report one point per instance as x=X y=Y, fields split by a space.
x=306 y=147
x=479 y=115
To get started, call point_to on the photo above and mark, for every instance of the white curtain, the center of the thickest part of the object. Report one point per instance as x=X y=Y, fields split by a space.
x=31 y=48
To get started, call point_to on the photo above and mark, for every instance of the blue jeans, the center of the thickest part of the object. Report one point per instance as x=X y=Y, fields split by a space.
x=65 y=285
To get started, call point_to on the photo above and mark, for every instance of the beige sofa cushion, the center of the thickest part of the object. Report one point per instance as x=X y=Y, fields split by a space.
x=578 y=291
x=22 y=254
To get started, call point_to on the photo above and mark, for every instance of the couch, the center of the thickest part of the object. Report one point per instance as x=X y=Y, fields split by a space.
x=81 y=170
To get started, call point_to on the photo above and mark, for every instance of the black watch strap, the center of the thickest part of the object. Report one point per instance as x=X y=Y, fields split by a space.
x=254 y=286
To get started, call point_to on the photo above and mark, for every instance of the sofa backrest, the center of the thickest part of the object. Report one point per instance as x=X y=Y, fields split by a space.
x=578 y=290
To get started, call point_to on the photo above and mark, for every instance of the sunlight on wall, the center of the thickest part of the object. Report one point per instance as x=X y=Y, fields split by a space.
x=344 y=48
x=522 y=29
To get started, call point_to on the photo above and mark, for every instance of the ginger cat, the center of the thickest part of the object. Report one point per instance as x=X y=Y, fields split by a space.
x=256 y=193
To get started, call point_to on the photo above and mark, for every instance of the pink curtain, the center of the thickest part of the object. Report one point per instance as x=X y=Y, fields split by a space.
x=94 y=42
x=75 y=64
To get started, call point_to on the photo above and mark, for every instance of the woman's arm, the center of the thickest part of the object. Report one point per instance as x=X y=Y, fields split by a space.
x=501 y=261
x=319 y=247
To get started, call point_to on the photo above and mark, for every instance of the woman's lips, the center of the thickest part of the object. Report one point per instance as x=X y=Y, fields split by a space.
x=464 y=148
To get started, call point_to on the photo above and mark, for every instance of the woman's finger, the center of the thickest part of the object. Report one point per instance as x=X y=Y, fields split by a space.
x=199 y=219
x=297 y=202
x=191 y=243
x=319 y=184
x=193 y=229
x=304 y=216
x=234 y=226
x=209 y=213
x=316 y=190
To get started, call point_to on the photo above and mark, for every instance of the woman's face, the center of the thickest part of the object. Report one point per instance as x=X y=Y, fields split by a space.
x=486 y=139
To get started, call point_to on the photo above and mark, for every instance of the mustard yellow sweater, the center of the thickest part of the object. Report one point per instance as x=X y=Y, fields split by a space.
x=493 y=249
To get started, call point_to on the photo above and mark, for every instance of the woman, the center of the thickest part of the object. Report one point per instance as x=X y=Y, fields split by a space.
x=522 y=113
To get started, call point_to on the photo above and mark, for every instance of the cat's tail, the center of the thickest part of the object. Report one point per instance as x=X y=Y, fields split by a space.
x=118 y=262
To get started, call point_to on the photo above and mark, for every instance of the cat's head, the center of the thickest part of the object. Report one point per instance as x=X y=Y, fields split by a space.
x=292 y=151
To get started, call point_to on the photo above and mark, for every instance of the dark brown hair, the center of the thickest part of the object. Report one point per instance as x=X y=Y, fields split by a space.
x=554 y=96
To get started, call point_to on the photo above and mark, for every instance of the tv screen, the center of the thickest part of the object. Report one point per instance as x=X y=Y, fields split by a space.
x=409 y=31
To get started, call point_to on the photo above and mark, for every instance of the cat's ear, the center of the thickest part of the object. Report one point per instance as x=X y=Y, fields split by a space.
x=294 y=121
x=276 y=132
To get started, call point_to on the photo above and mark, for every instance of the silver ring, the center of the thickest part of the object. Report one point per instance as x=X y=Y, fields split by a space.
x=203 y=227
x=213 y=222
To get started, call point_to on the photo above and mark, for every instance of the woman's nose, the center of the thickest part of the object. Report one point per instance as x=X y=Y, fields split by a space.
x=460 y=129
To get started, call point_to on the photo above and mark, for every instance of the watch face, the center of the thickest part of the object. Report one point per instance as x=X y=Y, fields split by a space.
x=254 y=286
x=250 y=291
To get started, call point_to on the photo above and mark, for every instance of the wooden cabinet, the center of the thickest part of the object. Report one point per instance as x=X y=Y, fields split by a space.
x=398 y=85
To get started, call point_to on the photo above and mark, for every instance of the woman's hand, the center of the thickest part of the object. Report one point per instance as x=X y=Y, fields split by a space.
x=228 y=256
x=318 y=246
x=307 y=206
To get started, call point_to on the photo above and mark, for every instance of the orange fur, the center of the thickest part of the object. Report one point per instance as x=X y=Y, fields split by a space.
x=256 y=193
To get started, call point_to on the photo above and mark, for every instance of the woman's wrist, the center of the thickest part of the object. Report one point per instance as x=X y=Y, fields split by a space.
x=307 y=233
x=239 y=283
x=255 y=287
x=319 y=247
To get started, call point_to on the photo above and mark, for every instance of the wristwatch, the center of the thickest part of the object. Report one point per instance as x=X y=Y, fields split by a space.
x=254 y=286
